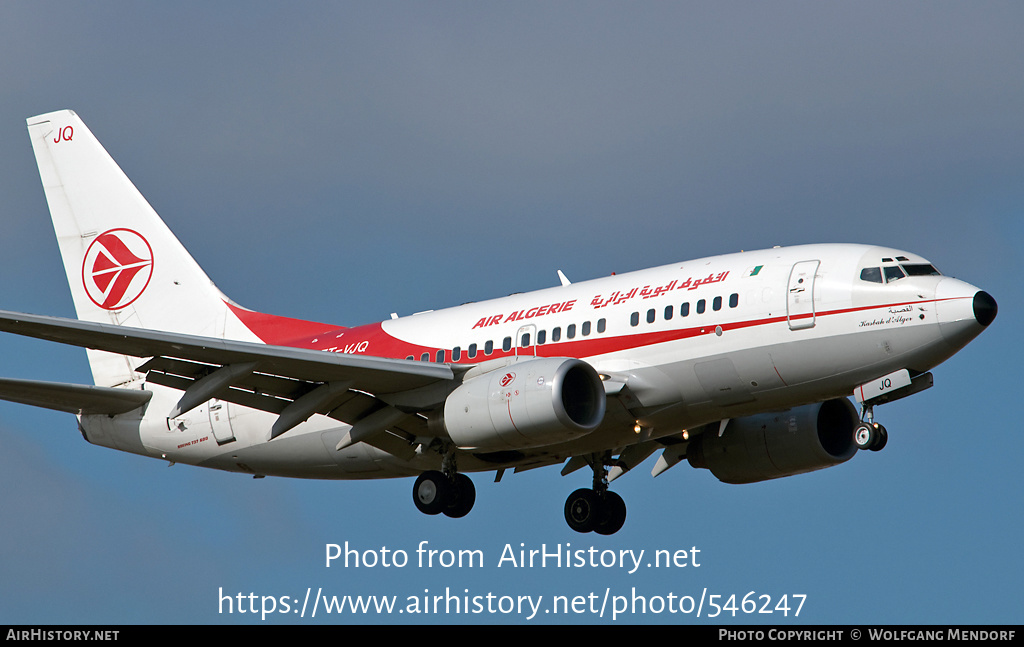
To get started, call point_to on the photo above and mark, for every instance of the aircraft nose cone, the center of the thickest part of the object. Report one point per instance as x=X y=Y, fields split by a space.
x=962 y=310
x=985 y=308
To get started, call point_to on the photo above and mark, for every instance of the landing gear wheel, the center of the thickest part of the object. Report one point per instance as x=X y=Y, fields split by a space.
x=883 y=437
x=864 y=436
x=613 y=514
x=582 y=510
x=871 y=436
x=462 y=496
x=431 y=492
x=587 y=510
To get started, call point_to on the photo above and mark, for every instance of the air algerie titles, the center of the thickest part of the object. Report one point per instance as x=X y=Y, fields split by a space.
x=520 y=315
x=600 y=301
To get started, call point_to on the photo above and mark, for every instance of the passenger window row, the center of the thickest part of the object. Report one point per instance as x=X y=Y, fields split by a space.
x=571 y=331
x=684 y=310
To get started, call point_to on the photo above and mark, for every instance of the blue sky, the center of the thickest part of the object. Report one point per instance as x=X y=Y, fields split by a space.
x=341 y=161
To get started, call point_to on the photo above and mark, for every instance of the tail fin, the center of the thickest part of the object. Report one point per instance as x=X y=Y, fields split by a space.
x=123 y=264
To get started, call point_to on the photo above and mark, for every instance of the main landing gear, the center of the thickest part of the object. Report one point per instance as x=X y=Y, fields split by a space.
x=436 y=493
x=596 y=510
x=445 y=491
x=869 y=434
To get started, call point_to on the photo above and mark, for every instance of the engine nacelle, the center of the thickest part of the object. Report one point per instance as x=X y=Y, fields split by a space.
x=772 y=445
x=531 y=403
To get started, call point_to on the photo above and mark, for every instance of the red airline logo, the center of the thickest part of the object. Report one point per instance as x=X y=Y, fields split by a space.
x=507 y=379
x=117 y=268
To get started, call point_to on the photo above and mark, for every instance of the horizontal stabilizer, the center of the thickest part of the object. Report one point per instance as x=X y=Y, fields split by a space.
x=72 y=398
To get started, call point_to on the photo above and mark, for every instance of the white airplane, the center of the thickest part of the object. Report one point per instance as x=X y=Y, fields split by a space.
x=742 y=363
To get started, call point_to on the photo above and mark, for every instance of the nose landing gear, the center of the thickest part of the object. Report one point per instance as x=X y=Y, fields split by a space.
x=869 y=434
x=889 y=388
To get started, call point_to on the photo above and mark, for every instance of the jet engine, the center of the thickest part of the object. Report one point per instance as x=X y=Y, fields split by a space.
x=772 y=445
x=531 y=403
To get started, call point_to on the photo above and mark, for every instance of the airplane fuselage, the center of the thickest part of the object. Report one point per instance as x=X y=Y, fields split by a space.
x=742 y=364
x=695 y=342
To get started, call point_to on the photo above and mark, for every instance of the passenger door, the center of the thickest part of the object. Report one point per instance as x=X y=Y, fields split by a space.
x=800 y=295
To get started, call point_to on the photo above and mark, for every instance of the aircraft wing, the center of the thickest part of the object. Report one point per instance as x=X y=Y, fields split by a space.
x=374 y=374
x=294 y=383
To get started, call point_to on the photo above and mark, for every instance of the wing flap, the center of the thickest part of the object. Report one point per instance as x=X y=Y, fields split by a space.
x=72 y=398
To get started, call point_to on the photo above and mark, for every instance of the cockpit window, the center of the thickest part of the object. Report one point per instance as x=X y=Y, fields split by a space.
x=890 y=273
x=893 y=274
x=871 y=274
x=920 y=269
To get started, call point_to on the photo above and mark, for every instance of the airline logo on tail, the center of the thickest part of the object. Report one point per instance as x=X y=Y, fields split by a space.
x=117 y=268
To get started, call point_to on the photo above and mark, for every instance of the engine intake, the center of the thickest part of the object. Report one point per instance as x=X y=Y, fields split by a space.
x=531 y=403
x=772 y=445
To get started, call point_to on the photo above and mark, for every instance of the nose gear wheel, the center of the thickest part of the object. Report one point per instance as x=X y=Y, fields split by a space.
x=869 y=434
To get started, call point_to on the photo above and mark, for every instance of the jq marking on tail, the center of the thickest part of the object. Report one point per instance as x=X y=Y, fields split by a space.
x=64 y=135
